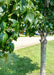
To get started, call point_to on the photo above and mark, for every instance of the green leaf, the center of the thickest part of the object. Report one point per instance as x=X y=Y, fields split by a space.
x=52 y=2
x=30 y=17
x=3 y=39
x=36 y=21
x=2 y=9
x=15 y=25
x=3 y=27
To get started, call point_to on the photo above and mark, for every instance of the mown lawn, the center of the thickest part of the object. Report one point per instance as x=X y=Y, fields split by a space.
x=26 y=61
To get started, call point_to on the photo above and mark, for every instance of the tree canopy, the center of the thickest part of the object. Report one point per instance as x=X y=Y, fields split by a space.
x=33 y=13
x=38 y=16
x=9 y=25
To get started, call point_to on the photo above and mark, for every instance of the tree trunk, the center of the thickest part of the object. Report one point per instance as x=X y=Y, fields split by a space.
x=43 y=54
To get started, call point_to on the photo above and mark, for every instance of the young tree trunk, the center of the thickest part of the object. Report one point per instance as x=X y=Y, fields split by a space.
x=43 y=54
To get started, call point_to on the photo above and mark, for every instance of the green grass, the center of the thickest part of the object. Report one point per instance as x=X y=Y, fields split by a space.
x=26 y=61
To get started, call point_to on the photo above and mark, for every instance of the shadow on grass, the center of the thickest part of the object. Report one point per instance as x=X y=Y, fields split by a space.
x=17 y=65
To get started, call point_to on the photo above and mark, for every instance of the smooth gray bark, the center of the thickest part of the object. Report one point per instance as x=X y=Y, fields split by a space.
x=43 y=44
x=43 y=55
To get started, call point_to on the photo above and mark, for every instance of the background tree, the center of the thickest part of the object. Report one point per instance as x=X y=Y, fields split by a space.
x=39 y=15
